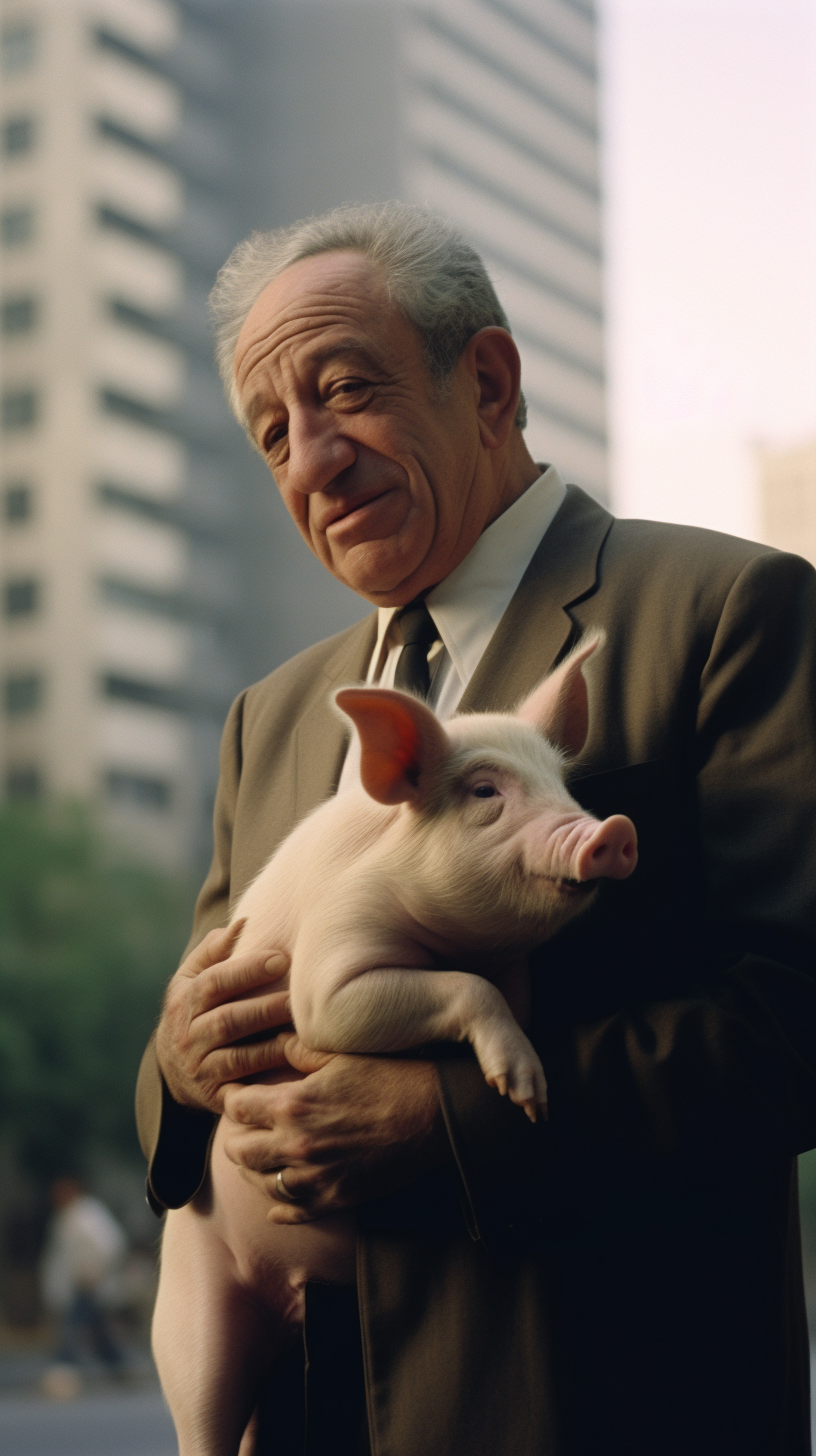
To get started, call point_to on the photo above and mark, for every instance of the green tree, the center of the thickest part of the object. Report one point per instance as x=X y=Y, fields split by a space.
x=87 y=942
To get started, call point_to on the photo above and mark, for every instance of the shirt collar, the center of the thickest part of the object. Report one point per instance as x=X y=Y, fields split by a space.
x=469 y=604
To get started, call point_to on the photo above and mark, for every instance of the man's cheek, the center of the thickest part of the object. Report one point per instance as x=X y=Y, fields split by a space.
x=297 y=506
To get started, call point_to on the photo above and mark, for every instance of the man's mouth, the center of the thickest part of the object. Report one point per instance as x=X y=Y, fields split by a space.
x=344 y=510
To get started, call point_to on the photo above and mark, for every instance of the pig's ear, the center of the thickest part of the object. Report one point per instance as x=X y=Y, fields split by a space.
x=559 y=707
x=402 y=742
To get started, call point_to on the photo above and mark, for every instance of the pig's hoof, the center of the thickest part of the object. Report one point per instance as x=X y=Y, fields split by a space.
x=529 y=1090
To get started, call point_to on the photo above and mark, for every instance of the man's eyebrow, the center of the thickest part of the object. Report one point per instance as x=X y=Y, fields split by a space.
x=259 y=403
x=257 y=406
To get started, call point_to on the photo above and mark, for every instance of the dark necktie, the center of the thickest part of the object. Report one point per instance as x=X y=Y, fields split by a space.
x=418 y=633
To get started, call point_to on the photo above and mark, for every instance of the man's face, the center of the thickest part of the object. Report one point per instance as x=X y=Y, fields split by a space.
x=388 y=485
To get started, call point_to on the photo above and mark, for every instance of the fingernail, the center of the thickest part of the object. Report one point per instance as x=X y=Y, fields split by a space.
x=275 y=962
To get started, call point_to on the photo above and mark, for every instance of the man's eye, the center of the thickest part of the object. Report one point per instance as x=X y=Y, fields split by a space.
x=273 y=436
x=349 y=388
x=484 y=791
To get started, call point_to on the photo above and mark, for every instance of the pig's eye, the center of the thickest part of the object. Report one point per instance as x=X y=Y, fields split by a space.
x=484 y=791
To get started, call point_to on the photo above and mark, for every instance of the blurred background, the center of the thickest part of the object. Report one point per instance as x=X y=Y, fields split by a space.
x=640 y=177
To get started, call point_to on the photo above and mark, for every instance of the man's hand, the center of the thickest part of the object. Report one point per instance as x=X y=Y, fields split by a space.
x=350 y=1129
x=212 y=1003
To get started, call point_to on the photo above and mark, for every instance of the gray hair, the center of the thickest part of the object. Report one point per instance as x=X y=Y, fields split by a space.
x=431 y=273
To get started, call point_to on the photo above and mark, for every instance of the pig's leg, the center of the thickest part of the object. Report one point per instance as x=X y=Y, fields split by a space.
x=396 y=1009
x=212 y=1339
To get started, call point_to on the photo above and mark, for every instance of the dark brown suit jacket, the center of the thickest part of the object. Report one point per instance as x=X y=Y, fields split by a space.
x=627 y=1277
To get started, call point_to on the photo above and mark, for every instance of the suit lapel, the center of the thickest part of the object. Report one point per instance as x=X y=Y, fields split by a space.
x=536 y=627
x=320 y=738
x=527 y=642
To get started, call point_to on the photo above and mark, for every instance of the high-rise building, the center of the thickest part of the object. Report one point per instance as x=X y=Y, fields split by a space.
x=127 y=620
x=148 y=569
x=501 y=133
x=787 y=498
x=487 y=111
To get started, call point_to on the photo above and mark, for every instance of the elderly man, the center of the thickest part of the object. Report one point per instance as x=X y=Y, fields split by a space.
x=627 y=1277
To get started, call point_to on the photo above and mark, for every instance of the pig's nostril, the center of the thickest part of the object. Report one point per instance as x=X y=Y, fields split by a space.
x=611 y=851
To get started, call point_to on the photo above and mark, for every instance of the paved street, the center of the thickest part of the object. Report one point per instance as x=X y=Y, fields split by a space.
x=105 y=1420
x=101 y=1423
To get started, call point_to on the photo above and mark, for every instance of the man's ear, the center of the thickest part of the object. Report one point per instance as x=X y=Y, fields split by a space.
x=402 y=742
x=559 y=707
x=493 y=361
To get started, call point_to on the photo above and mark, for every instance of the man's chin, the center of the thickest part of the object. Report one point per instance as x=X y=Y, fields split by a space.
x=379 y=573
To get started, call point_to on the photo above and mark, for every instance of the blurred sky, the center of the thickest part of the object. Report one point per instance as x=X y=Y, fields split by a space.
x=709 y=111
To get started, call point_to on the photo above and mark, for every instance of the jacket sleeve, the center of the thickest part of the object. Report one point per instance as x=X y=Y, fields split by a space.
x=731 y=1065
x=174 y=1139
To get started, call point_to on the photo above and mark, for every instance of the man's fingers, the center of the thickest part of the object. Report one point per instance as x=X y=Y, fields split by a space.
x=315 y=1193
x=221 y=1026
x=236 y=977
x=312 y=1191
x=249 y=1059
x=262 y=1151
x=263 y=1106
x=311 y=1202
x=215 y=947
x=306 y=1199
x=303 y=1058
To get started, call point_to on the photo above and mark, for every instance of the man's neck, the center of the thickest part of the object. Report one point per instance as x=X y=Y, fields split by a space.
x=520 y=473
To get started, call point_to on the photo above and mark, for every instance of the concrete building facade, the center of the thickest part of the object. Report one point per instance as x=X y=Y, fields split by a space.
x=485 y=110
x=787 y=498
x=501 y=133
x=121 y=642
x=148 y=569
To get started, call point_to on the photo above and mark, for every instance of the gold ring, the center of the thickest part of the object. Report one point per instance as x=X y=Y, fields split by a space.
x=282 y=1191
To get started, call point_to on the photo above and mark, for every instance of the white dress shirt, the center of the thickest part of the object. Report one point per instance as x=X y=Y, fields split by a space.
x=469 y=604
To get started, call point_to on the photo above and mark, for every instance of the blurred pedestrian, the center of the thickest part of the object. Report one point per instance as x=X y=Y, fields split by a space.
x=80 y=1275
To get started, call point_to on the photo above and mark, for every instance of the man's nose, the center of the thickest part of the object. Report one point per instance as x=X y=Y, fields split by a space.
x=318 y=451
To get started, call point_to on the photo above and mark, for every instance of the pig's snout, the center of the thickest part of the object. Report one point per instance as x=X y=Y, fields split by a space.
x=609 y=853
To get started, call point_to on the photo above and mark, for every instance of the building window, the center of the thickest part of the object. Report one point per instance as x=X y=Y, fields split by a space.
x=139 y=789
x=134 y=598
x=148 y=694
x=23 y=783
x=18 y=501
x=18 y=315
x=16 y=226
x=18 y=135
x=121 y=222
x=112 y=131
x=18 y=44
x=21 y=598
x=22 y=693
x=137 y=318
x=20 y=409
x=126 y=407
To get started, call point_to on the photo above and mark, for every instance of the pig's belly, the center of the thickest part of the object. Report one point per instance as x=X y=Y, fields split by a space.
x=276 y=1260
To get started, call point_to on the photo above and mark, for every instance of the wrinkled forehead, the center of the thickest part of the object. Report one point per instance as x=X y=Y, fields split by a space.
x=312 y=305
